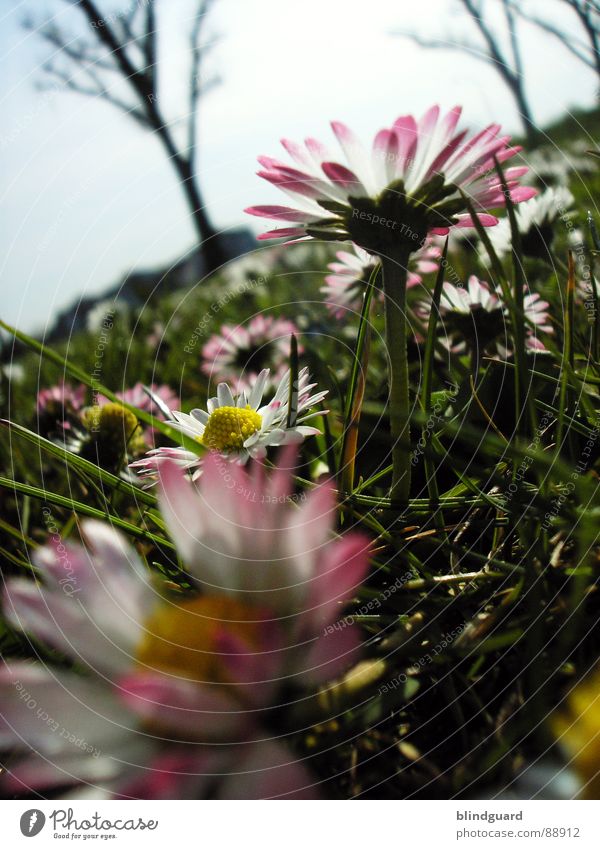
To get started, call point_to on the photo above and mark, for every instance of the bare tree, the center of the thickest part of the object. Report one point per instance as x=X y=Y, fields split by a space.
x=506 y=59
x=588 y=15
x=120 y=54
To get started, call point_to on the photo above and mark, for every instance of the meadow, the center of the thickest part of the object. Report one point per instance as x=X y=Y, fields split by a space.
x=368 y=572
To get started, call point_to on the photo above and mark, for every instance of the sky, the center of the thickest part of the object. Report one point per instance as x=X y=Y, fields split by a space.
x=87 y=196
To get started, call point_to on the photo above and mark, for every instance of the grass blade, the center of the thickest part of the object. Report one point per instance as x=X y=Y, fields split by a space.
x=352 y=411
x=293 y=390
x=83 y=377
x=83 y=509
x=429 y=465
x=80 y=464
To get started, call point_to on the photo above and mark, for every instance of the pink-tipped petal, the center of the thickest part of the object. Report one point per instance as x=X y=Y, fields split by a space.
x=333 y=651
x=342 y=570
x=186 y=709
x=268 y=770
x=343 y=177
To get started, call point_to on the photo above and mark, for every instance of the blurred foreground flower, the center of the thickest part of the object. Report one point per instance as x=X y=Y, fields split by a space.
x=346 y=285
x=237 y=355
x=245 y=534
x=473 y=319
x=577 y=728
x=240 y=426
x=179 y=691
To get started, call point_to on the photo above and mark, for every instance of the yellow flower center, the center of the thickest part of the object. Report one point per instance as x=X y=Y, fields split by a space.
x=115 y=428
x=181 y=637
x=229 y=427
x=110 y=420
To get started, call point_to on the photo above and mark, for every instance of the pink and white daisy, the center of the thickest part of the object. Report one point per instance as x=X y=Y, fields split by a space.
x=536 y=221
x=474 y=318
x=244 y=533
x=351 y=272
x=237 y=354
x=56 y=398
x=537 y=312
x=239 y=426
x=55 y=404
x=58 y=408
x=166 y=677
x=408 y=185
x=416 y=181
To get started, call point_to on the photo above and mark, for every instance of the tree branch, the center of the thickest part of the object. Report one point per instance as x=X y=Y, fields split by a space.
x=571 y=44
x=491 y=52
x=106 y=36
x=149 y=45
x=197 y=87
x=514 y=41
x=80 y=52
x=97 y=90
x=126 y=44
x=495 y=53
x=443 y=44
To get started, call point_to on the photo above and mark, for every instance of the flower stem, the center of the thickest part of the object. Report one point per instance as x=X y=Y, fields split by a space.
x=394 y=285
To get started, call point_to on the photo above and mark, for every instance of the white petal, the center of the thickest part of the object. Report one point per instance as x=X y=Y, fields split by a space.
x=224 y=395
x=201 y=415
x=258 y=389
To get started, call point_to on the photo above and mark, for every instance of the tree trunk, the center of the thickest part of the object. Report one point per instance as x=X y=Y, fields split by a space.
x=531 y=130
x=209 y=240
x=525 y=113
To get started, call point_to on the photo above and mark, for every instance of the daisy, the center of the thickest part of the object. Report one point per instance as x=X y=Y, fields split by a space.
x=535 y=219
x=239 y=426
x=246 y=534
x=537 y=312
x=156 y=399
x=409 y=182
x=175 y=691
x=58 y=408
x=351 y=272
x=474 y=318
x=60 y=398
x=236 y=355
x=560 y=165
x=109 y=436
x=413 y=183
x=252 y=268
x=101 y=316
